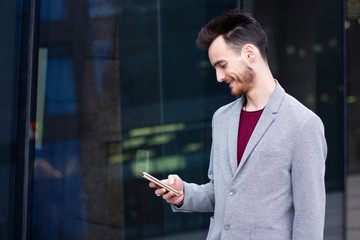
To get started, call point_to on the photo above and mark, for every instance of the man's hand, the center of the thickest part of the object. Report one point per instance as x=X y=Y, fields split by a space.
x=175 y=182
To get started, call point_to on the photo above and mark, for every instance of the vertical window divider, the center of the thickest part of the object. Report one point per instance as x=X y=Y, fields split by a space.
x=26 y=125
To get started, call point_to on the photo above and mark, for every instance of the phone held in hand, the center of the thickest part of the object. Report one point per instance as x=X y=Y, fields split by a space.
x=158 y=182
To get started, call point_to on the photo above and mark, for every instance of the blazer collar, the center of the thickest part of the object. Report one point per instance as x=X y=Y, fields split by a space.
x=276 y=98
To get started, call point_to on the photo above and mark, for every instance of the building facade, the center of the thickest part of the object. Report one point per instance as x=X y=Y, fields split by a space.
x=91 y=91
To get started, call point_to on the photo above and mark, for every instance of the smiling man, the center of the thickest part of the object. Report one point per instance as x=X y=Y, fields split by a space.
x=267 y=164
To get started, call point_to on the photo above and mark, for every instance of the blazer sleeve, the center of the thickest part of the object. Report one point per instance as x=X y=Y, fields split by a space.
x=308 y=183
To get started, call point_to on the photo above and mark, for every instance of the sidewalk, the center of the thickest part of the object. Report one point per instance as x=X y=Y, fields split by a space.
x=353 y=207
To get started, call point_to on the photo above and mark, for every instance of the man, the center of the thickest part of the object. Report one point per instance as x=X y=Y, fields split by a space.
x=268 y=152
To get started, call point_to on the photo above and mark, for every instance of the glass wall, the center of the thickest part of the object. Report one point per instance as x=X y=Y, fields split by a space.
x=121 y=86
x=9 y=49
x=306 y=56
x=353 y=178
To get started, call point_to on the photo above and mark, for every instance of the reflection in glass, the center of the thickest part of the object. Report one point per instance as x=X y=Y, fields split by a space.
x=353 y=132
x=9 y=105
x=121 y=86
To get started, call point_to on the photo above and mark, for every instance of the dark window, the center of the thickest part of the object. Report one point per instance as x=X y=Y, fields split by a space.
x=352 y=26
x=121 y=86
x=9 y=49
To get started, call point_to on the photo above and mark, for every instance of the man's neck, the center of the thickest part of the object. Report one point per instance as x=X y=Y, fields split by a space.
x=259 y=95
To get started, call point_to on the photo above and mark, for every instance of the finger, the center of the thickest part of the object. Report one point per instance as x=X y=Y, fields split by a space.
x=159 y=192
x=153 y=185
x=169 y=195
x=172 y=179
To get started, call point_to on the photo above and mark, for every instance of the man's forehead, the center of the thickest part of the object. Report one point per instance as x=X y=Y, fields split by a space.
x=219 y=51
x=218 y=42
x=216 y=48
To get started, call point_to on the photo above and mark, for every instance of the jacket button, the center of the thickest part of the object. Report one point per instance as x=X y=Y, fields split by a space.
x=232 y=192
x=227 y=226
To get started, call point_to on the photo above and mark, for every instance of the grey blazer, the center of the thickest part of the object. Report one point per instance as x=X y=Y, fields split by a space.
x=277 y=192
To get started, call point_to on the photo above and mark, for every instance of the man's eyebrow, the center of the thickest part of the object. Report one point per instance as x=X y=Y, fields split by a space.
x=218 y=62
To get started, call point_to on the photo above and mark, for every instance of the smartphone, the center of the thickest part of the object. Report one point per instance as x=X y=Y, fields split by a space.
x=158 y=182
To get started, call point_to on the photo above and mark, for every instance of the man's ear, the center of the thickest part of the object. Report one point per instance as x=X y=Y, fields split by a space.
x=249 y=52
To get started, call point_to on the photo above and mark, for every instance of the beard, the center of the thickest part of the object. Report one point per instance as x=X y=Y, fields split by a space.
x=243 y=83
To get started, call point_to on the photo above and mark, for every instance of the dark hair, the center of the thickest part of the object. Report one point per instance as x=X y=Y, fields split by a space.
x=237 y=29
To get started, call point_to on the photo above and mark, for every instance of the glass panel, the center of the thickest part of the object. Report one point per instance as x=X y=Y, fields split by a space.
x=121 y=86
x=353 y=178
x=306 y=57
x=9 y=45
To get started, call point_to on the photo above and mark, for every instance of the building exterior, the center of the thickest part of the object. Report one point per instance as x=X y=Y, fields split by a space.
x=91 y=91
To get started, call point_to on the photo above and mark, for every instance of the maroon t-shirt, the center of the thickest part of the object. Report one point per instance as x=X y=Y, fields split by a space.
x=248 y=121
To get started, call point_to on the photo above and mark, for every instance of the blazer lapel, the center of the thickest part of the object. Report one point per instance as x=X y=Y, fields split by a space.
x=263 y=124
x=233 y=128
x=265 y=121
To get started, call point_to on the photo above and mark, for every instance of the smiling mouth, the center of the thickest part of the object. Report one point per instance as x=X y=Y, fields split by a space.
x=230 y=83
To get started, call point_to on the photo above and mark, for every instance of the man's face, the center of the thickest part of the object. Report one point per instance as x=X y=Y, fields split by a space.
x=231 y=68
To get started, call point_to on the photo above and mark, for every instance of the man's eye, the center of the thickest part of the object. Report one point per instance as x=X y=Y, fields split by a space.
x=223 y=66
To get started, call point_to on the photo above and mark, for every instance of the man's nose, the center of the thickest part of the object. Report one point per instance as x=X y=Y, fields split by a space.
x=220 y=76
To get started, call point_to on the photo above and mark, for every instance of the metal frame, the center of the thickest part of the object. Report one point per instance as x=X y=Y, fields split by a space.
x=26 y=92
